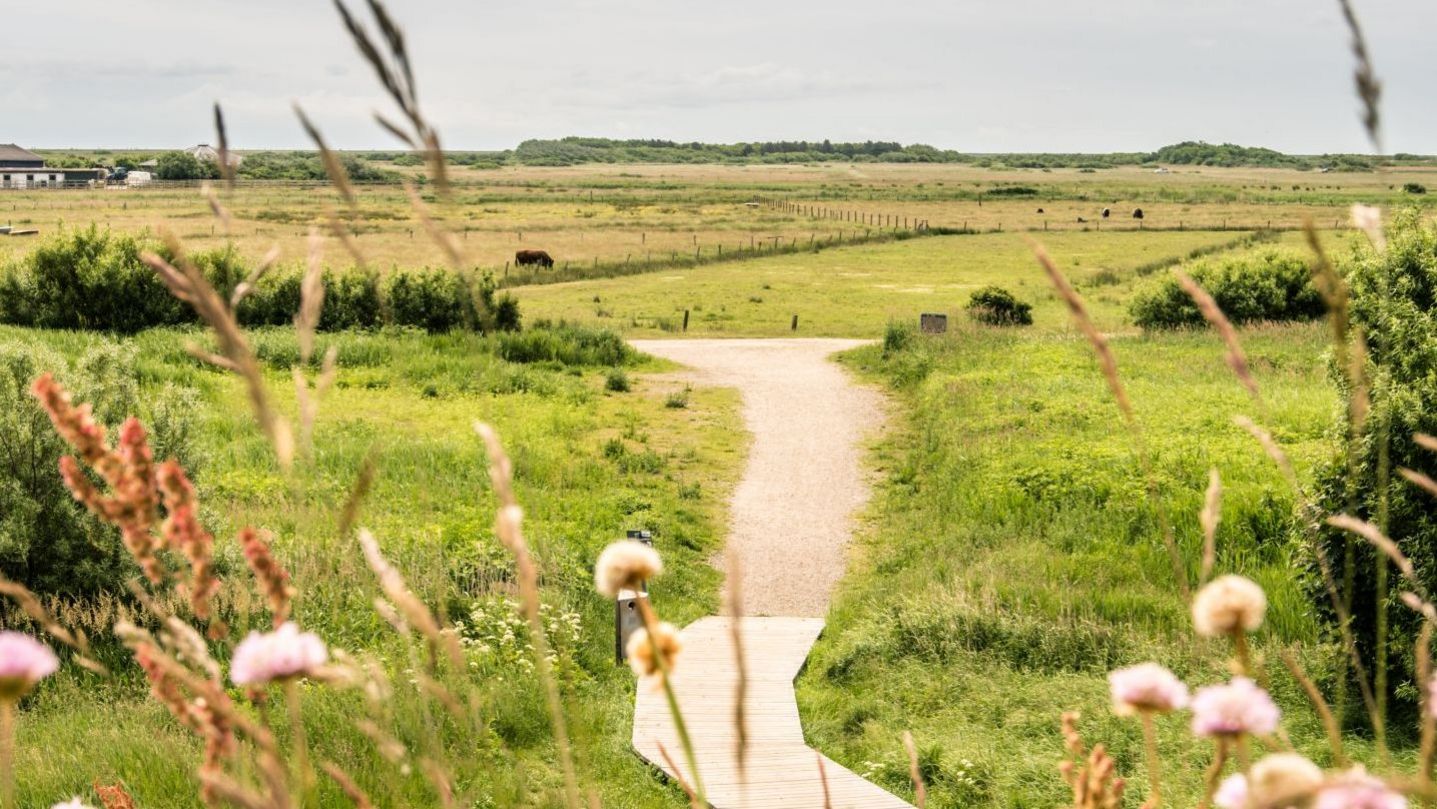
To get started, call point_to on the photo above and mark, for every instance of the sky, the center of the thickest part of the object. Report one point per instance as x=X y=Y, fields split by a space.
x=990 y=76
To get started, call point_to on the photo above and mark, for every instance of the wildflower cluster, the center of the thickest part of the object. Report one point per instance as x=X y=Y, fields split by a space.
x=1229 y=714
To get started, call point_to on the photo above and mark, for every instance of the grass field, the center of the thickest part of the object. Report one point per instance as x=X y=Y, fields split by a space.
x=855 y=292
x=1007 y=562
x=590 y=465
x=1012 y=559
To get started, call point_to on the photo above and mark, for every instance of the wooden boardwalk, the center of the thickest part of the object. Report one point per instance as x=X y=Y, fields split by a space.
x=782 y=771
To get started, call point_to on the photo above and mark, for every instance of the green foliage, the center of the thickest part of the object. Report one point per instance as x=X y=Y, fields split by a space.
x=1012 y=555
x=48 y=542
x=1414 y=188
x=1272 y=285
x=997 y=306
x=567 y=344
x=897 y=336
x=1198 y=153
x=184 y=166
x=616 y=381
x=306 y=166
x=94 y=279
x=1394 y=303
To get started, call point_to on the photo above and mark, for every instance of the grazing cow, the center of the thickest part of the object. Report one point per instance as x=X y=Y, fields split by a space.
x=1040 y=210
x=525 y=258
x=1106 y=212
x=1081 y=220
x=1137 y=213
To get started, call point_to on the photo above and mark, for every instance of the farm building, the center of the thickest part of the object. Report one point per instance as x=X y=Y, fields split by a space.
x=206 y=153
x=22 y=168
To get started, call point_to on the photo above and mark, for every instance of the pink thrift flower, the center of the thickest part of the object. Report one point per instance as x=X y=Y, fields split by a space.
x=24 y=661
x=1355 y=789
x=278 y=655
x=1231 y=793
x=1235 y=708
x=1146 y=687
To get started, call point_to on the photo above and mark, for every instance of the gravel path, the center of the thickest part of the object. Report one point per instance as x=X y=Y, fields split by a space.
x=793 y=509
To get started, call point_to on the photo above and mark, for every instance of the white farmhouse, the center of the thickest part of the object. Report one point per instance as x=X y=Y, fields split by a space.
x=22 y=168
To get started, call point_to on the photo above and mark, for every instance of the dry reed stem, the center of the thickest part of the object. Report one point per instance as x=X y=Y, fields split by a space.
x=75 y=639
x=436 y=231
x=508 y=526
x=1428 y=744
x=1369 y=87
x=188 y=284
x=740 y=708
x=1109 y=365
x=227 y=171
x=338 y=177
x=415 y=613
x=1418 y=479
x=920 y=792
x=1324 y=713
x=216 y=207
x=1425 y=441
x=1378 y=540
x=396 y=74
x=1235 y=357
x=823 y=779
x=679 y=776
x=1339 y=607
x=349 y=514
x=347 y=785
x=1210 y=517
x=246 y=286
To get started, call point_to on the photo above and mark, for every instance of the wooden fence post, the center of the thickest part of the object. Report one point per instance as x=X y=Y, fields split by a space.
x=686 y=320
x=794 y=326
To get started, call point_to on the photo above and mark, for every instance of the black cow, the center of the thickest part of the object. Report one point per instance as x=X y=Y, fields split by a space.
x=1137 y=213
x=525 y=258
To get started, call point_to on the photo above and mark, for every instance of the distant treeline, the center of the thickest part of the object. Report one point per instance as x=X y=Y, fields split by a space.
x=371 y=166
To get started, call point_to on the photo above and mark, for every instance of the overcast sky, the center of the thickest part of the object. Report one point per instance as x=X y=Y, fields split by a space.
x=973 y=75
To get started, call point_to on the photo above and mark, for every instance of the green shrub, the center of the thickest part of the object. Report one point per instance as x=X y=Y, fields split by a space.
x=1269 y=286
x=897 y=336
x=48 y=542
x=616 y=381
x=996 y=306
x=93 y=279
x=1414 y=188
x=566 y=344
x=1394 y=303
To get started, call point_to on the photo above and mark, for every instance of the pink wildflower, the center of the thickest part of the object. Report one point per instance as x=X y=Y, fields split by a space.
x=1355 y=789
x=278 y=655
x=1228 y=604
x=24 y=661
x=1146 y=687
x=1235 y=708
x=1231 y=793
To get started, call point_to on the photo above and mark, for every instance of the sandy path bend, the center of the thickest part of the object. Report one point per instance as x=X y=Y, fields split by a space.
x=793 y=509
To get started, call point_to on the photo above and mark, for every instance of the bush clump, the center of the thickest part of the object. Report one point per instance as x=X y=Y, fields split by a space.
x=997 y=306
x=48 y=542
x=1394 y=304
x=93 y=279
x=1272 y=285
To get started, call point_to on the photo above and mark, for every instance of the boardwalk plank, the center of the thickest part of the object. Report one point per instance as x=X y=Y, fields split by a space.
x=781 y=770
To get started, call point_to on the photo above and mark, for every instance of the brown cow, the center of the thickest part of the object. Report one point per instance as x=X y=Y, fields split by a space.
x=525 y=258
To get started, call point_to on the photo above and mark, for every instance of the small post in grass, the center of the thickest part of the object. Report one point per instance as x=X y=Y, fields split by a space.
x=794 y=326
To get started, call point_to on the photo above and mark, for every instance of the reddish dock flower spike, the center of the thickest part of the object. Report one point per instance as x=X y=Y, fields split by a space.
x=128 y=470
